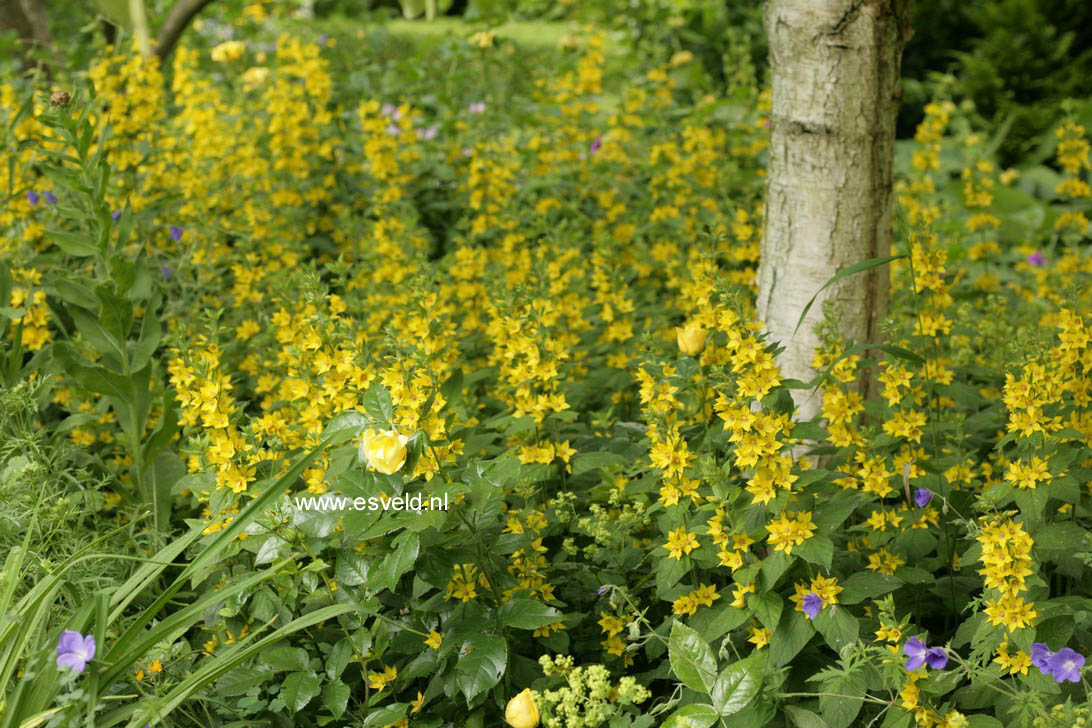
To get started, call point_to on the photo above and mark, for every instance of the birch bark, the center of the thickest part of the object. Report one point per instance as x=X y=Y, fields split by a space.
x=835 y=67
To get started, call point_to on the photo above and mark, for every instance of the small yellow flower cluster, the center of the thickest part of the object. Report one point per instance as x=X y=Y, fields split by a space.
x=688 y=604
x=1007 y=562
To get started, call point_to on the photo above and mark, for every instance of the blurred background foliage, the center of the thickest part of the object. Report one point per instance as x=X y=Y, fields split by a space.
x=1015 y=60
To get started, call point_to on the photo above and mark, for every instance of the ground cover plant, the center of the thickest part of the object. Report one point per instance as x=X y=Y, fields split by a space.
x=250 y=286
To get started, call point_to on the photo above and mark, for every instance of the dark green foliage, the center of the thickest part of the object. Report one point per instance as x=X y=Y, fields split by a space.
x=1018 y=58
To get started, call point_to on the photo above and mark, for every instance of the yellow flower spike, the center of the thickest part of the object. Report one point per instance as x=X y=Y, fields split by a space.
x=384 y=451
x=691 y=339
x=521 y=711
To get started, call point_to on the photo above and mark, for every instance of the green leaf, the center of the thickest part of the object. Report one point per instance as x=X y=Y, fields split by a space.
x=75 y=244
x=159 y=479
x=837 y=626
x=340 y=655
x=867 y=585
x=695 y=715
x=802 y=718
x=351 y=568
x=242 y=679
x=523 y=613
x=792 y=633
x=817 y=550
x=691 y=658
x=851 y=270
x=378 y=404
x=842 y=702
x=385 y=716
x=298 y=689
x=335 y=696
x=736 y=686
x=397 y=562
x=585 y=461
x=768 y=609
x=481 y=668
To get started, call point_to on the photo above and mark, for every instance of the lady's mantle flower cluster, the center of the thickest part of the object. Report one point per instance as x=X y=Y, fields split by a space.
x=588 y=699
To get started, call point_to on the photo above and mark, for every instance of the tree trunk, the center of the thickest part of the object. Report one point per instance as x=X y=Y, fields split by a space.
x=835 y=69
x=183 y=12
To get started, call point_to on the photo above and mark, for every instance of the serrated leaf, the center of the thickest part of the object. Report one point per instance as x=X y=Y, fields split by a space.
x=523 y=613
x=695 y=715
x=351 y=569
x=298 y=689
x=335 y=696
x=691 y=658
x=481 y=668
x=736 y=686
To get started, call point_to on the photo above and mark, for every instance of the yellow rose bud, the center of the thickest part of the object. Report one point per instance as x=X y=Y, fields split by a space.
x=384 y=451
x=521 y=711
x=691 y=339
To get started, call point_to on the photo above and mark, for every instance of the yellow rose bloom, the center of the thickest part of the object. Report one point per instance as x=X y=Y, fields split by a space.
x=384 y=451
x=521 y=711
x=691 y=339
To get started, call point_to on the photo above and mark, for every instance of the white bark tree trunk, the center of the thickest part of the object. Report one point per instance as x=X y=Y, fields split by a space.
x=835 y=66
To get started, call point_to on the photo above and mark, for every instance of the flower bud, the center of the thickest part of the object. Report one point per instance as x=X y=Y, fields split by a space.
x=384 y=451
x=521 y=711
x=691 y=339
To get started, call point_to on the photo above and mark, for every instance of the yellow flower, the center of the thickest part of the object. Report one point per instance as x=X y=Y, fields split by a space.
x=435 y=639
x=679 y=542
x=384 y=451
x=378 y=680
x=228 y=51
x=521 y=711
x=254 y=76
x=483 y=39
x=691 y=339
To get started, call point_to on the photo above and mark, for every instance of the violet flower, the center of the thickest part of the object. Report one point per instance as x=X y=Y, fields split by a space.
x=32 y=197
x=176 y=232
x=50 y=198
x=922 y=496
x=812 y=604
x=920 y=654
x=1037 y=259
x=1063 y=665
x=75 y=650
x=116 y=216
x=596 y=144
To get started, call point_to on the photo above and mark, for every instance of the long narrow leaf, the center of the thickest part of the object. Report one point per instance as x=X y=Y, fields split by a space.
x=851 y=270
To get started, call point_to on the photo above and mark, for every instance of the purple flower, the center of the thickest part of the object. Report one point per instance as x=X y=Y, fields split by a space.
x=812 y=604
x=75 y=650
x=116 y=216
x=920 y=654
x=176 y=232
x=476 y=107
x=50 y=197
x=32 y=197
x=394 y=129
x=1065 y=664
x=1037 y=259
x=596 y=144
x=936 y=658
x=1039 y=655
x=166 y=271
x=429 y=133
x=922 y=496
x=601 y=589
